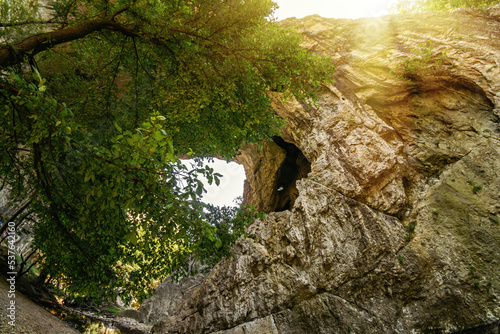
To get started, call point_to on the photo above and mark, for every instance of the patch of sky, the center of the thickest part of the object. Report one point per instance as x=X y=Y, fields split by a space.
x=231 y=182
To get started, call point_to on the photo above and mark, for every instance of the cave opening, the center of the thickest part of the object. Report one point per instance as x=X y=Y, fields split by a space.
x=294 y=167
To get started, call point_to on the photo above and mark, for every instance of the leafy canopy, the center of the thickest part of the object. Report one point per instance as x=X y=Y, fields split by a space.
x=97 y=107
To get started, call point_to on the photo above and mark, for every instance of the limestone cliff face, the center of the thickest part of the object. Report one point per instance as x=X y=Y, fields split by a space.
x=392 y=221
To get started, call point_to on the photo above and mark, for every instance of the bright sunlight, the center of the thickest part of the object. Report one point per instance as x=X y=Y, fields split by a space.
x=350 y=9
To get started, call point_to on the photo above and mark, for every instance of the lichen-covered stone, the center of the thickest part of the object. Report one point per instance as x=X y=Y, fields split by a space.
x=166 y=300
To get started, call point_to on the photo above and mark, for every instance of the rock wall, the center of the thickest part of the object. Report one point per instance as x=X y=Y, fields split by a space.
x=396 y=227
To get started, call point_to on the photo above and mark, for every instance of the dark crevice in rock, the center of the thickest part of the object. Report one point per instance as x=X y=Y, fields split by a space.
x=294 y=167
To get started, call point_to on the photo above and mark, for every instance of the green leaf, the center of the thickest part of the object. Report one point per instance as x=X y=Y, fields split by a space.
x=199 y=190
x=158 y=136
x=132 y=237
x=117 y=127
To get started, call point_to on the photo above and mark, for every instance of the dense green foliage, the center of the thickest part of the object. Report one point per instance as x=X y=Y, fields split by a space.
x=412 y=6
x=96 y=111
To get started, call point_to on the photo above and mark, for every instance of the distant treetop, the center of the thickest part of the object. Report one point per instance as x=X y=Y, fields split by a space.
x=417 y=6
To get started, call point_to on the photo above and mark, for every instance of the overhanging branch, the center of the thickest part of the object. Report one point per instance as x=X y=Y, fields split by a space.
x=14 y=53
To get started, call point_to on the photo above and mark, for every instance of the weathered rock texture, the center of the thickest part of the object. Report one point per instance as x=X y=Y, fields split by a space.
x=396 y=227
x=168 y=298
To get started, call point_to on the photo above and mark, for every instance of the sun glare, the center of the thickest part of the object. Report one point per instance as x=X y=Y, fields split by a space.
x=350 y=9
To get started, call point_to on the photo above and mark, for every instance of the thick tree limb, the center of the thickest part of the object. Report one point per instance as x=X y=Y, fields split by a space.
x=14 y=53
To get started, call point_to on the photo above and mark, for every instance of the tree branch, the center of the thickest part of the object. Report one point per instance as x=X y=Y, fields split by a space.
x=14 y=53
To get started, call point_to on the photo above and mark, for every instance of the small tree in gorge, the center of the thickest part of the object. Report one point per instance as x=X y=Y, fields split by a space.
x=98 y=100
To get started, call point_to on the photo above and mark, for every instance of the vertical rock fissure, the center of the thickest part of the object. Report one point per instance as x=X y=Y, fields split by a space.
x=294 y=167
